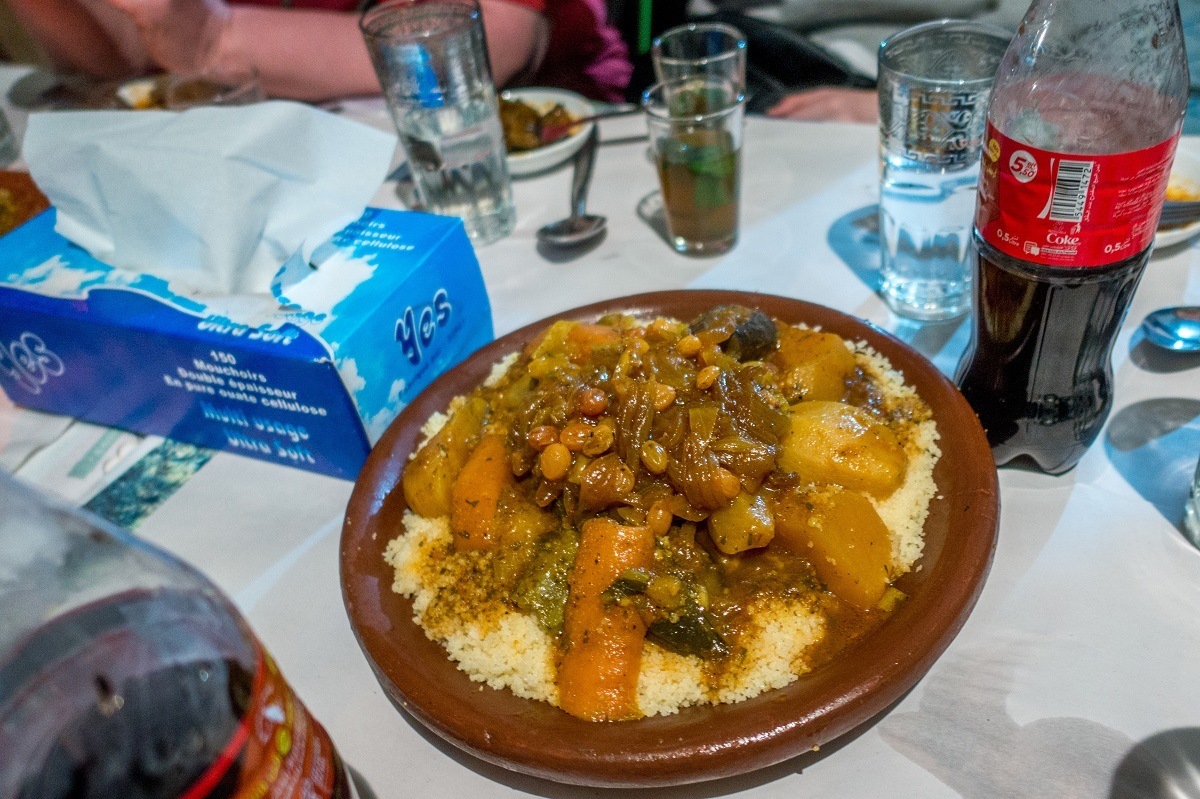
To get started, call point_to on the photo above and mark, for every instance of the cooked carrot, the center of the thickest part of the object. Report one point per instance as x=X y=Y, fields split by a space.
x=597 y=676
x=584 y=337
x=476 y=493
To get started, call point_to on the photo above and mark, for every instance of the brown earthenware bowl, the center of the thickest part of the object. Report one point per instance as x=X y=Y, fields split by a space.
x=698 y=743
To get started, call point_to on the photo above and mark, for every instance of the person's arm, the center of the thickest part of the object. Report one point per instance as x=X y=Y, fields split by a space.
x=517 y=36
x=829 y=104
x=304 y=54
x=315 y=55
x=301 y=54
x=74 y=38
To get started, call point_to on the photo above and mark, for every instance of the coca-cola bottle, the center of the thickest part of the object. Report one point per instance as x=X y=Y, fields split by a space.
x=126 y=674
x=1083 y=121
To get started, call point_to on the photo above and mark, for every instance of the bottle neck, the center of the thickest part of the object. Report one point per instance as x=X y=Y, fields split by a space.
x=1080 y=74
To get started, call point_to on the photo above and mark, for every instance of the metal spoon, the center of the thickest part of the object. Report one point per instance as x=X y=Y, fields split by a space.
x=1175 y=329
x=580 y=226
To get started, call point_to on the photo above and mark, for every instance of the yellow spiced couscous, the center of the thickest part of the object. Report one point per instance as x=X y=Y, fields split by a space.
x=635 y=516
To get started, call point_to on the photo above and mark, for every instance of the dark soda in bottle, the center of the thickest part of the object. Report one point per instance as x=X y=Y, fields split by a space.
x=1082 y=126
x=125 y=673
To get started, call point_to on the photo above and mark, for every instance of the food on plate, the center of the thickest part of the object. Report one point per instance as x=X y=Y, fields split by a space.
x=633 y=516
x=524 y=124
x=167 y=92
x=20 y=200
x=1180 y=190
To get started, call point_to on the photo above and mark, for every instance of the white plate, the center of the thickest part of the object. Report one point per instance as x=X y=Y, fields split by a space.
x=551 y=155
x=1185 y=174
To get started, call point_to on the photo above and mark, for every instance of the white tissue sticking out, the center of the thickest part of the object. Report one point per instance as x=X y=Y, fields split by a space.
x=214 y=198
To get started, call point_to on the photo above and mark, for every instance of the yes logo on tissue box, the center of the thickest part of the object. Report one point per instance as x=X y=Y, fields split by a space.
x=308 y=377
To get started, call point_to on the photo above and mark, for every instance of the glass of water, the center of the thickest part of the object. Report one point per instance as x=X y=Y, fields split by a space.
x=934 y=83
x=432 y=62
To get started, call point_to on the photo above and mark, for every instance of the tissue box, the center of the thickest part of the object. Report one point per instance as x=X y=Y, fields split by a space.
x=309 y=382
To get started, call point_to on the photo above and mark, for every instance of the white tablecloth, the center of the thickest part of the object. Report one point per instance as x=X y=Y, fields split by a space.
x=1079 y=662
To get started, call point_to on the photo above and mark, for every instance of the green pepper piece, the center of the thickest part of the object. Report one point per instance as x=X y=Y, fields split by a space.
x=543 y=588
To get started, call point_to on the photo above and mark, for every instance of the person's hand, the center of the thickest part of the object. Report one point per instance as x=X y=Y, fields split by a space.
x=829 y=104
x=182 y=36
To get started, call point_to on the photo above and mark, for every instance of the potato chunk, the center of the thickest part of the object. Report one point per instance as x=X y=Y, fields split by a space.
x=842 y=536
x=746 y=523
x=429 y=476
x=815 y=365
x=831 y=442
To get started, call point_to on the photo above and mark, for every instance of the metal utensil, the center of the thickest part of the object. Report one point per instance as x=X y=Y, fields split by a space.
x=1177 y=213
x=580 y=226
x=1176 y=329
x=548 y=134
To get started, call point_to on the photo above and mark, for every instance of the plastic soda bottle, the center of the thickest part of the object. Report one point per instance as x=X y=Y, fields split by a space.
x=125 y=673
x=1083 y=121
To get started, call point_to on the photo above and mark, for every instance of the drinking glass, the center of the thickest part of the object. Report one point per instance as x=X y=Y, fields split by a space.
x=709 y=49
x=432 y=62
x=934 y=83
x=696 y=138
x=1191 y=511
x=235 y=82
x=240 y=86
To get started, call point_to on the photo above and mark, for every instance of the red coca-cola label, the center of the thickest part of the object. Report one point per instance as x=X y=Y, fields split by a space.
x=1061 y=209
x=285 y=753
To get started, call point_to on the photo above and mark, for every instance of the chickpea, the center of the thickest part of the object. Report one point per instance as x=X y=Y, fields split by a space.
x=707 y=376
x=554 y=461
x=654 y=457
x=542 y=436
x=591 y=401
x=664 y=395
x=598 y=441
x=574 y=434
x=659 y=517
x=688 y=346
x=659 y=327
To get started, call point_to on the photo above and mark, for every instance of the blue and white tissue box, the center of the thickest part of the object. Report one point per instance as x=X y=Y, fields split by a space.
x=309 y=377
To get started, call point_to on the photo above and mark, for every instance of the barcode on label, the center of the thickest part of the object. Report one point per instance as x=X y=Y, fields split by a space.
x=1070 y=190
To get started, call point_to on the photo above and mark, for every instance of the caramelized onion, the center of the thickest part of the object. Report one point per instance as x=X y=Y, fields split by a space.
x=750 y=460
x=748 y=410
x=635 y=416
x=694 y=469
